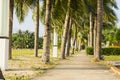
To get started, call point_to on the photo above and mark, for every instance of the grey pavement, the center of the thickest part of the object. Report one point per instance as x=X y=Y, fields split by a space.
x=78 y=67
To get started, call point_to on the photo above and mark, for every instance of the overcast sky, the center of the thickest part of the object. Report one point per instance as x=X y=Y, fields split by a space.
x=28 y=24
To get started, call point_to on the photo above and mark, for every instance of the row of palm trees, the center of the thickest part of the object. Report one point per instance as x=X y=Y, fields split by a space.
x=22 y=7
x=76 y=20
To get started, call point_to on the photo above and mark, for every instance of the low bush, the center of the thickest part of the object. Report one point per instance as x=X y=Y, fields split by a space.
x=105 y=51
x=89 y=51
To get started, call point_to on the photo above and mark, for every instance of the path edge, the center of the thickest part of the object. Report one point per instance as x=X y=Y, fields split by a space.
x=115 y=70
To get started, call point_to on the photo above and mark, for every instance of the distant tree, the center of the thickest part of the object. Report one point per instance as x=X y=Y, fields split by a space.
x=109 y=33
x=14 y=39
x=117 y=37
x=40 y=43
x=31 y=40
x=25 y=39
x=20 y=39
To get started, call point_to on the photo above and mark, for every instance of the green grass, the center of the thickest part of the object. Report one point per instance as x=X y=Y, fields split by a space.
x=16 y=77
x=109 y=58
x=24 y=65
x=23 y=52
x=112 y=57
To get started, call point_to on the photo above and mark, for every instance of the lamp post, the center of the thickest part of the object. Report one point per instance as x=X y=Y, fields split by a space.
x=4 y=40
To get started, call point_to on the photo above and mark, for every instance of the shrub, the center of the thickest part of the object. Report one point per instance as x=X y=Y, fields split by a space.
x=105 y=51
x=89 y=51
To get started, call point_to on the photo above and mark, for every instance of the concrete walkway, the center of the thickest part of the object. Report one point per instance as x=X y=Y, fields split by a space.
x=78 y=68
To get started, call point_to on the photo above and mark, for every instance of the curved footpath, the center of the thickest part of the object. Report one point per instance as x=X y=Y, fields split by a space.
x=78 y=67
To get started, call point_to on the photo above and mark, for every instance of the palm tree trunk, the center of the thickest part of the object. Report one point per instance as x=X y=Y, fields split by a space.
x=88 y=39
x=69 y=39
x=75 y=37
x=80 y=45
x=76 y=44
x=64 y=39
x=95 y=34
x=91 y=31
x=11 y=9
x=47 y=32
x=65 y=32
x=36 y=30
x=99 y=28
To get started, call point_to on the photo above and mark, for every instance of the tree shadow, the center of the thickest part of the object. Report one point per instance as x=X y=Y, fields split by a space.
x=1 y=75
x=26 y=69
x=81 y=68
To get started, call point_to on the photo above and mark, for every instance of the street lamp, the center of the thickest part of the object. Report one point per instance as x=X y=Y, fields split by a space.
x=4 y=40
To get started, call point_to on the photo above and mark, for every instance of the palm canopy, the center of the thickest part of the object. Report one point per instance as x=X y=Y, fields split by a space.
x=22 y=8
x=78 y=12
x=108 y=12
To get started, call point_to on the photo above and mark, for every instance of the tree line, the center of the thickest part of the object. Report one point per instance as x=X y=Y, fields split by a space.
x=81 y=21
x=25 y=39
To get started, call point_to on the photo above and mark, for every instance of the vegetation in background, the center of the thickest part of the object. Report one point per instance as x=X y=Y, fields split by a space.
x=117 y=38
x=105 y=51
x=25 y=39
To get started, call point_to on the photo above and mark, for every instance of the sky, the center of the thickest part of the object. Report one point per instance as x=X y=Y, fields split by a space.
x=29 y=24
x=118 y=13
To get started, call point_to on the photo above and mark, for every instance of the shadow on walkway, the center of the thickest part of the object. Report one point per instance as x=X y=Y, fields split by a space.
x=78 y=67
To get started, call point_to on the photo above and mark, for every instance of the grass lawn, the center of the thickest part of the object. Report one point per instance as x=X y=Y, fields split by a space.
x=112 y=57
x=23 y=52
x=24 y=65
x=109 y=58
x=106 y=60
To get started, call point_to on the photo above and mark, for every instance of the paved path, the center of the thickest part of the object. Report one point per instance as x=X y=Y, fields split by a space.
x=78 y=68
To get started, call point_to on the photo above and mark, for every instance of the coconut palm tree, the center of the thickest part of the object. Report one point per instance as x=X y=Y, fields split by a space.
x=47 y=28
x=69 y=39
x=57 y=17
x=99 y=28
x=65 y=31
x=11 y=9
x=91 y=30
x=108 y=15
x=21 y=10
x=72 y=11
x=36 y=35
x=75 y=39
